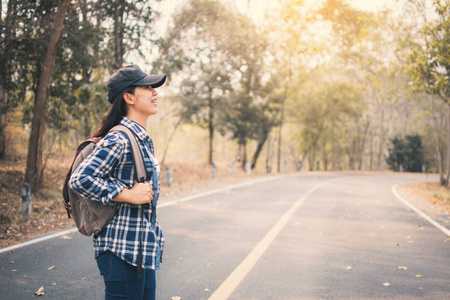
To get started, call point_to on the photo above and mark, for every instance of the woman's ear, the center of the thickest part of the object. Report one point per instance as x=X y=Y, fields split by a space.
x=129 y=98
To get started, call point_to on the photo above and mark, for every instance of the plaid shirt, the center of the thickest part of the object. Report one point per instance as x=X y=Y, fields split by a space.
x=102 y=176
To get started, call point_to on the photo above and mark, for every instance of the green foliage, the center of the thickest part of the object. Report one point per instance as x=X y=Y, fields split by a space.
x=406 y=153
x=396 y=156
x=429 y=59
x=351 y=24
x=217 y=56
x=323 y=111
x=77 y=94
x=329 y=76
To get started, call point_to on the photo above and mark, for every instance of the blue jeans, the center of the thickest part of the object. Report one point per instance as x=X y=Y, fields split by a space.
x=121 y=280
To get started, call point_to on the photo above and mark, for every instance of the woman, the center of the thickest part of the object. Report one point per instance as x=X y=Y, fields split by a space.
x=129 y=249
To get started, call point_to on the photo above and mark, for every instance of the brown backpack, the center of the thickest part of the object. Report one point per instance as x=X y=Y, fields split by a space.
x=92 y=216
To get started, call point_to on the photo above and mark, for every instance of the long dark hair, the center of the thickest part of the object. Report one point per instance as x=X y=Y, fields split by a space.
x=115 y=113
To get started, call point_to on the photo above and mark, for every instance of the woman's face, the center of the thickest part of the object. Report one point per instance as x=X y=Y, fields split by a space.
x=146 y=100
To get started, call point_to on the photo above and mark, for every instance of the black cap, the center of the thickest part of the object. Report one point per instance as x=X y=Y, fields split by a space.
x=131 y=75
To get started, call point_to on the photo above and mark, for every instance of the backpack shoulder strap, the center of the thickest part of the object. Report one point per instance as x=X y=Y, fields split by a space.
x=83 y=151
x=136 y=153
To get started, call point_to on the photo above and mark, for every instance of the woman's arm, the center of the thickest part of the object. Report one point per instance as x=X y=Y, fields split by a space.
x=140 y=193
x=90 y=178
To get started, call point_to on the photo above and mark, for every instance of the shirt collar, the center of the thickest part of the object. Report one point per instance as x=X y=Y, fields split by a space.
x=137 y=129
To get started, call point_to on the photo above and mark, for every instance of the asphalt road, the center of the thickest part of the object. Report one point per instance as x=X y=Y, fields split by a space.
x=308 y=236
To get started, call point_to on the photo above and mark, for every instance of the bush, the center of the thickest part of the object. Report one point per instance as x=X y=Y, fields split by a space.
x=406 y=152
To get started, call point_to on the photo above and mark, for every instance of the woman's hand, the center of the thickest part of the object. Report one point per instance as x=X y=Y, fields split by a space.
x=140 y=193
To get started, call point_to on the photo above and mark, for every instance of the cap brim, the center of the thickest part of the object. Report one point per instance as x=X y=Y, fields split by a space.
x=152 y=80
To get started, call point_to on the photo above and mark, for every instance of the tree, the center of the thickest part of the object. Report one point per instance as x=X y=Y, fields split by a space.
x=76 y=97
x=132 y=22
x=191 y=50
x=428 y=63
x=406 y=154
x=396 y=158
x=218 y=55
x=33 y=172
x=414 y=154
x=7 y=33
x=251 y=113
x=323 y=117
x=202 y=96
x=290 y=56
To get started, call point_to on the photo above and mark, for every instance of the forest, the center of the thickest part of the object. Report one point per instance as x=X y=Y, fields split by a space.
x=313 y=85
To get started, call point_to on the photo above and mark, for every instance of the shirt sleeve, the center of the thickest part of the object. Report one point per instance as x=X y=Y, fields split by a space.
x=92 y=179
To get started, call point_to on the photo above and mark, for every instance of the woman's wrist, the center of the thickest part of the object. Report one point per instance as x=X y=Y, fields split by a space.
x=124 y=196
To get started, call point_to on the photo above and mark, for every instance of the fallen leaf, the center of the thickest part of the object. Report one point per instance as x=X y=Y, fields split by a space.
x=419 y=275
x=386 y=284
x=65 y=237
x=206 y=290
x=402 y=268
x=14 y=270
x=210 y=264
x=53 y=283
x=40 y=291
x=51 y=268
x=11 y=262
x=349 y=268
x=176 y=298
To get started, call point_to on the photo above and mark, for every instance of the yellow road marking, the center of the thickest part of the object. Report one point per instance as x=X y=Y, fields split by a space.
x=235 y=278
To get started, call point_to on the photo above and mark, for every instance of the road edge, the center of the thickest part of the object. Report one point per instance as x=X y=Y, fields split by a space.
x=418 y=211
x=162 y=205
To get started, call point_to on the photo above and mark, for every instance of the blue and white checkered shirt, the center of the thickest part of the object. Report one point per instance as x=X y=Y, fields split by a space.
x=102 y=176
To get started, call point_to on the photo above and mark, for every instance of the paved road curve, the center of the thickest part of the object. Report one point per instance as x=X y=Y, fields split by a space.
x=309 y=236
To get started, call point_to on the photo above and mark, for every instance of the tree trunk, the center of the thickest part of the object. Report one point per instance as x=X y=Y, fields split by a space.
x=3 y=108
x=34 y=158
x=170 y=138
x=438 y=147
x=312 y=159
x=363 y=145
x=258 y=150
x=118 y=35
x=324 y=155
x=269 y=154
x=280 y=137
x=243 y=154
x=380 y=151
x=371 y=153
x=6 y=53
x=211 y=129
x=448 y=145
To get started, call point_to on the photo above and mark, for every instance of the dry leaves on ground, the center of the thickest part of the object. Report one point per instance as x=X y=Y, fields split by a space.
x=40 y=291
